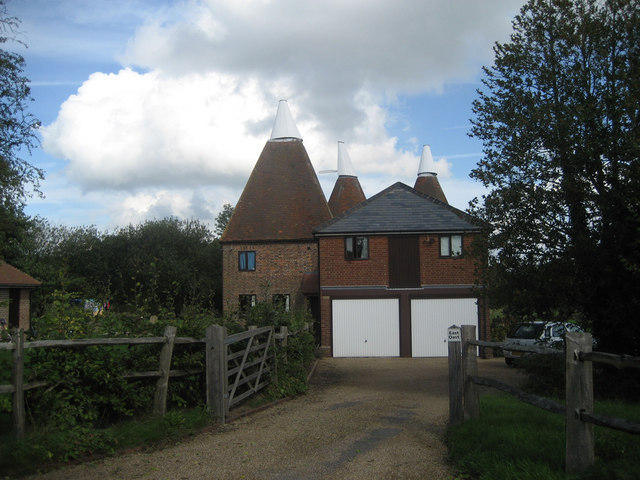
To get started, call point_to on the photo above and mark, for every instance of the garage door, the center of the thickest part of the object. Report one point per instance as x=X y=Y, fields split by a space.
x=366 y=328
x=430 y=320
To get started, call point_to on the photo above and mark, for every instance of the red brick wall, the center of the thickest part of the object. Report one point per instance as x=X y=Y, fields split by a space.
x=279 y=269
x=435 y=270
x=336 y=271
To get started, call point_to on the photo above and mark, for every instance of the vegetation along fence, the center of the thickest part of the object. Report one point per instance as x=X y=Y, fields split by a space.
x=578 y=407
x=237 y=366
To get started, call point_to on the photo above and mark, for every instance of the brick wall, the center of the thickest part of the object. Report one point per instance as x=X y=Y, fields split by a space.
x=279 y=270
x=335 y=270
x=435 y=270
x=24 y=307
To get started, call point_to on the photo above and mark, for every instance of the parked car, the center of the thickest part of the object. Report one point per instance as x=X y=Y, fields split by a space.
x=543 y=334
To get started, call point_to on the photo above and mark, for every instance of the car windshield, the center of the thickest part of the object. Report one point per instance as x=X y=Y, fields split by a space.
x=527 y=331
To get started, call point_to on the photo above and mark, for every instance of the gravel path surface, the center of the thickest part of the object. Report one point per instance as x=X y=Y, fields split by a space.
x=362 y=418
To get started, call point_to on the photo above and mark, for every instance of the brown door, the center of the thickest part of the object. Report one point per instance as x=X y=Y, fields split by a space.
x=404 y=261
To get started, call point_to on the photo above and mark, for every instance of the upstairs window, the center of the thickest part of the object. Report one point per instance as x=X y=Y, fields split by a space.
x=246 y=261
x=356 y=248
x=451 y=246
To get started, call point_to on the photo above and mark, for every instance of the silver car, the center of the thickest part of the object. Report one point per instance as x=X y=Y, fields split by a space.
x=543 y=334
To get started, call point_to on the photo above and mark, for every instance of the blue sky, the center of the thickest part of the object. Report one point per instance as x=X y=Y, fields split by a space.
x=154 y=108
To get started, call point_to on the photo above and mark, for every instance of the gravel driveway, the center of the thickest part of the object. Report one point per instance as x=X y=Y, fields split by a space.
x=362 y=418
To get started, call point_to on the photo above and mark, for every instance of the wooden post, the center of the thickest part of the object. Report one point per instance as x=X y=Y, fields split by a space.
x=216 y=356
x=578 y=398
x=162 y=386
x=18 y=383
x=469 y=368
x=455 y=376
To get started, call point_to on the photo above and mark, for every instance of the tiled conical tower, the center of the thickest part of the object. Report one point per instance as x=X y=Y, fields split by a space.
x=347 y=191
x=283 y=199
x=427 y=181
x=268 y=249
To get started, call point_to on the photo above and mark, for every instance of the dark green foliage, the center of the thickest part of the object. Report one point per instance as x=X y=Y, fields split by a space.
x=44 y=448
x=512 y=440
x=161 y=267
x=17 y=136
x=559 y=121
x=544 y=374
x=222 y=220
x=294 y=361
x=87 y=387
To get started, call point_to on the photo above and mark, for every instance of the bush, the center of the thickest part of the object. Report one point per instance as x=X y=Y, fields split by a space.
x=293 y=362
x=86 y=385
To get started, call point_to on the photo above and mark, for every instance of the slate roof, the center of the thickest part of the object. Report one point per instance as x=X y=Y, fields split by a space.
x=282 y=199
x=399 y=209
x=347 y=193
x=12 y=277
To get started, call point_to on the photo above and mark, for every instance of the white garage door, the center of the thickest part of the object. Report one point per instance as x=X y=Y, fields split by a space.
x=366 y=328
x=430 y=320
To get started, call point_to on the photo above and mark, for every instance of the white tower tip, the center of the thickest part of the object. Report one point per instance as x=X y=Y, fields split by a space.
x=427 y=165
x=345 y=168
x=284 y=128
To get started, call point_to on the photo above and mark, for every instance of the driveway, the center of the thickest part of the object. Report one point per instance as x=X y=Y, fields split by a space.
x=362 y=418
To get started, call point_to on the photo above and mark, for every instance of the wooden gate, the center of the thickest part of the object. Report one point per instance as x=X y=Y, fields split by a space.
x=239 y=366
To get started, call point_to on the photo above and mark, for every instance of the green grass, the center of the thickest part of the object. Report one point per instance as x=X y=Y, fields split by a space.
x=43 y=449
x=513 y=440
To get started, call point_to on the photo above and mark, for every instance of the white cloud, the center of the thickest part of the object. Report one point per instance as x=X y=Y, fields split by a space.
x=186 y=129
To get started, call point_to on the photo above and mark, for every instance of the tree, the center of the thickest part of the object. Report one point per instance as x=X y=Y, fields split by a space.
x=17 y=135
x=222 y=220
x=560 y=126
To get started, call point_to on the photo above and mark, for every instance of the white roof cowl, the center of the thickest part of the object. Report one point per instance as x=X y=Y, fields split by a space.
x=345 y=167
x=284 y=128
x=427 y=167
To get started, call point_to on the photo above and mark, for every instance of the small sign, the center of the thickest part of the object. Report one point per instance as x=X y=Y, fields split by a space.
x=453 y=334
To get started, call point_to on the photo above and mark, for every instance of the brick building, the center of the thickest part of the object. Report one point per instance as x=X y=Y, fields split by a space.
x=15 y=297
x=268 y=249
x=383 y=277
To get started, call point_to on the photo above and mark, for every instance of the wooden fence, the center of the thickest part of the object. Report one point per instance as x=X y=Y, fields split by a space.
x=578 y=406
x=232 y=373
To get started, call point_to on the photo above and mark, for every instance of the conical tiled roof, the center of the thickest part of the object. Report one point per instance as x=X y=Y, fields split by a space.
x=427 y=181
x=283 y=199
x=347 y=191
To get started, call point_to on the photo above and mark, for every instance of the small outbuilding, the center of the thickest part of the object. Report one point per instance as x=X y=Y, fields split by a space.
x=15 y=297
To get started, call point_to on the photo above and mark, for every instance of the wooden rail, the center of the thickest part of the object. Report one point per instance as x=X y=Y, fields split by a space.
x=249 y=368
x=578 y=407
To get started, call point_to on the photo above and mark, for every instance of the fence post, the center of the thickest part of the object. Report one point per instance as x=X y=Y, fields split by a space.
x=455 y=375
x=162 y=386
x=578 y=398
x=216 y=357
x=18 y=383
x=469 y=368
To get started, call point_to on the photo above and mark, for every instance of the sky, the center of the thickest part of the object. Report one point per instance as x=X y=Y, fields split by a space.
x=156 y=108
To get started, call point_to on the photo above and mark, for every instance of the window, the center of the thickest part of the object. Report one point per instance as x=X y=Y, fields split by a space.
x=246 y=302
x=356 y=248
x=281 y=300
x=246 y=261
x=451 y=246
